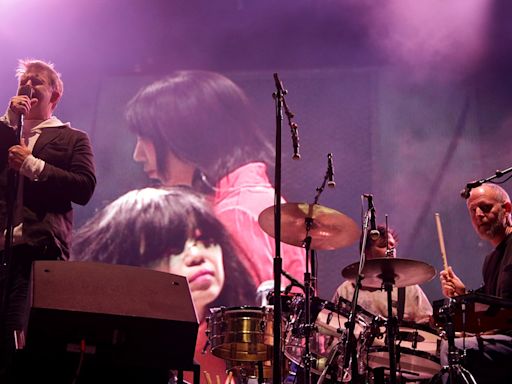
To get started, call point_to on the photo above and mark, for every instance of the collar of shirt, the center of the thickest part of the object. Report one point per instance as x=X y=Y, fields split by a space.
x=38 y=125
x=248 y=175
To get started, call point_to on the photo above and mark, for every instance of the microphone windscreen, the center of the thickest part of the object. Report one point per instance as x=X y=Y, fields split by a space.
x=25 y=90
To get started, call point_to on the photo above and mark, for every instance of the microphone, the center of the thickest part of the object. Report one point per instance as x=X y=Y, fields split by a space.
x=469 y=186
x=374 y=233
x=330 y=172
x=465 y=193
x=293 y=280
x=295 y=141
x=24 y=90
x=332 y=367
x=279 y=84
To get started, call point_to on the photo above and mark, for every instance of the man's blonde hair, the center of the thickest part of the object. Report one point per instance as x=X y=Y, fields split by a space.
x=48 y=67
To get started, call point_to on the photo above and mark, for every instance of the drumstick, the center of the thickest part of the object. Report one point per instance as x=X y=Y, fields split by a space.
x=208 y=378
x=441 y=241
x=218 y=379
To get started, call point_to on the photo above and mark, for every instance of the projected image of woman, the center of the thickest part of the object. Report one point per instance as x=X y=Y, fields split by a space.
x=196 y=128
x=171 y=230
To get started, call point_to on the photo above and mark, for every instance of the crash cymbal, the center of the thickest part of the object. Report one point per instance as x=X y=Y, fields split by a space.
x=401 y=272
x=329 y=229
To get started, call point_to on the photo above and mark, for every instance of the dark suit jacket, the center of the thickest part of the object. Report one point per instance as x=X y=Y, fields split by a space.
x=68 y=176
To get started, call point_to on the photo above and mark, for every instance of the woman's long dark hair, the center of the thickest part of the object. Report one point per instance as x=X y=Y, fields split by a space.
x=203 y=118
x=142 y=226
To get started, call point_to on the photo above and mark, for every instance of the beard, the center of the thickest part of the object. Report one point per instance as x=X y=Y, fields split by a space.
x=497 y=228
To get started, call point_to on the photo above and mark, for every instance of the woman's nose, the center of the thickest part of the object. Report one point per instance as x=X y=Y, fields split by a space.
x=138 y=153
x=194 y=255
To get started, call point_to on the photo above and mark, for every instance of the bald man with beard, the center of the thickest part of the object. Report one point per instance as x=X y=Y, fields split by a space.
x=488 y=356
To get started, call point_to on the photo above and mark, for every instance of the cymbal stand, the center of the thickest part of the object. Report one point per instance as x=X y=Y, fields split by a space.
x=456 y=372
x=308 y=327
x=389 y=281
x=349 y=341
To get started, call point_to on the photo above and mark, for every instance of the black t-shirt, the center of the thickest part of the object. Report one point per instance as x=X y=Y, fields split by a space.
x=497 y=270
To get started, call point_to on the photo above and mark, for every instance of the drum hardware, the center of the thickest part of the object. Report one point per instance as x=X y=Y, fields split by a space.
x=311 y=226
x=454 y=368
x=476 y=312
x=386 y=273
x=417 y=351
x=348 y=340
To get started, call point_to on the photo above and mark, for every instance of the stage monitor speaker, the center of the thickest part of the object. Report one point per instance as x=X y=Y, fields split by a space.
x=122 y=315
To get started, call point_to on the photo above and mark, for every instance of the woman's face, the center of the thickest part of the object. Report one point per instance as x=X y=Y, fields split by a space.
x=175 y=171
x=202 y=264
x=145 y=153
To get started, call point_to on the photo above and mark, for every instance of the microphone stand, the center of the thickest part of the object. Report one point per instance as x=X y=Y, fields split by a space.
x=475 y=184
x=13 y=178
x=347 y=345
x=349 y=340
x=310 y=285
x=278 y=262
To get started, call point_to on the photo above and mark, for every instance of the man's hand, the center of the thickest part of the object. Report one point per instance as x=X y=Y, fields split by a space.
x=17 y=155
x=451 y=285
x=20 y=105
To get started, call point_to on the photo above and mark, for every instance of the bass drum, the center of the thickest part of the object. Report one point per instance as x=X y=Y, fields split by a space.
x=417 y=348
x=329 y=320
x=241 y=333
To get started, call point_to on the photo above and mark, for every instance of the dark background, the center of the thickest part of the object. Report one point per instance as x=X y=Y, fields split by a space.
x=412 y=98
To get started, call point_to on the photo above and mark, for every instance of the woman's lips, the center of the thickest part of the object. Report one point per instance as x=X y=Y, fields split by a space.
x=198 y=275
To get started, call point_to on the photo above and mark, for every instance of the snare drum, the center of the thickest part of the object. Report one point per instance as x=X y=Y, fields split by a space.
x=241 y=333
x=417 y=349
x=329 y=320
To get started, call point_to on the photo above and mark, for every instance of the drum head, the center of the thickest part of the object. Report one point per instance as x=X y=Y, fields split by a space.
x=411 y=364
x=417 y=352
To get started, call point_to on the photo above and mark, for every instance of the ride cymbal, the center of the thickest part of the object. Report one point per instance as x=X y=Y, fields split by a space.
x=328 y=228
x=399 y=272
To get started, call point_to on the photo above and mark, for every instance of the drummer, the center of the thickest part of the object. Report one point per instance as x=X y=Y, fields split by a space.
x=409 y=303
x=487 y=355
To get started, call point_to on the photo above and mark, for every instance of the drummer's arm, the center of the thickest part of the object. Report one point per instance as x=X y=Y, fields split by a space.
x=451 y=285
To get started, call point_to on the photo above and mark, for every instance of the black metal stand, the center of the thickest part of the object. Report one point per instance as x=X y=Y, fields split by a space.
x=346 y=347
x=456 y=372
x=349 y=340
x=390 y=330
x=278 y=262
x=476 y=183
x=308 y=327
x=13 y=179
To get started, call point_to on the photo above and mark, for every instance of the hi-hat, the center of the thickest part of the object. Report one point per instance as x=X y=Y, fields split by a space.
x=329 y=229
x=399 y=272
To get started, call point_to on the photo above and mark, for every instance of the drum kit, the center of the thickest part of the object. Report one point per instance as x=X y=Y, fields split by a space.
x=381 y=346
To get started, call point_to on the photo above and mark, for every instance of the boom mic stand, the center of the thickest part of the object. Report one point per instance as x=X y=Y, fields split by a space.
x=278 y=262
x=475 y=184
x=349 y=346
x=13 y=179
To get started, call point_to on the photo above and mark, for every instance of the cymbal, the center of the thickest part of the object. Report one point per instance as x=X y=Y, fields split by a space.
x=401 y=272
x=330 y=229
